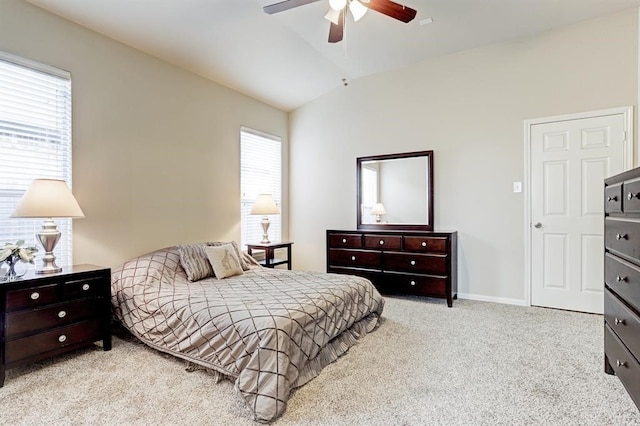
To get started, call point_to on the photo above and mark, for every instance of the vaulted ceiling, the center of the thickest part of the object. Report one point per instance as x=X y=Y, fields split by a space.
x=285 y=60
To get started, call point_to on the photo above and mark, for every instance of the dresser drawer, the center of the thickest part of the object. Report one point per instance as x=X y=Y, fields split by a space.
x=416 y=284
x=383 y=242
x=426 y=244
x=623 y=278
x=345 y=241
x=613 y=198
x=31 y=297
x=355 y=258
x=434 y=264
x=76 y=289
x=623 y=363
x=631 y=192
x=623 y=237
x=86 y=331
x=623 y=321
x=31 y=321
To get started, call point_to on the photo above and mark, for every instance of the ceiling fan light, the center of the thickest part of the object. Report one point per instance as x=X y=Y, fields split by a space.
x=333 y=16
x=357 y=9
x=337 y=4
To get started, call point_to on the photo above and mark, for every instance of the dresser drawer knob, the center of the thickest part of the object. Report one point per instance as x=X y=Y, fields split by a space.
x=424 y=244
x=619 y=321
x=381 y=242
x=621 y=236
x=35 y=295
x=413 y=263
x=621 y=363
x=630 y=196
x=344 y=241
x=62 y=314
x=86 y=286
x=62 y=338
x=413 y=282
x=353 y=258
x=614 y=198
x=621 y=279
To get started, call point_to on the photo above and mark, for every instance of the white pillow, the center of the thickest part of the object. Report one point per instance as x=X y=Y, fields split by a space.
x=224 y=260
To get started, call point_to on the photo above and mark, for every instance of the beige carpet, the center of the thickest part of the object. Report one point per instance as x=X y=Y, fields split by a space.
x=475 y=364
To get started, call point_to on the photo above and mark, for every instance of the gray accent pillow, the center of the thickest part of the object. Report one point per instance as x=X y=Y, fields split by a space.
x=194 y=261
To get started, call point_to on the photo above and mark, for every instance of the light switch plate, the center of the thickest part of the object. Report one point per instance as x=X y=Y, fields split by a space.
x=517 y=186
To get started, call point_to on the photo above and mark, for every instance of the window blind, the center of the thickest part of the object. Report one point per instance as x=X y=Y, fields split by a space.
x=35 y=142
x=260 y=173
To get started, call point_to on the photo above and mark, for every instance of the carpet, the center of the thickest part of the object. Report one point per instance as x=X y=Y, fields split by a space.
x=477 y=363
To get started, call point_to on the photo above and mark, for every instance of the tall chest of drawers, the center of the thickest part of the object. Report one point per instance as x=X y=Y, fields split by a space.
x=622 y=280
x=47 y=315
x=398 y=262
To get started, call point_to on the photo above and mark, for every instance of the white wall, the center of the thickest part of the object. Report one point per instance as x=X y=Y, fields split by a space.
x=469 y=108
x=155 y=148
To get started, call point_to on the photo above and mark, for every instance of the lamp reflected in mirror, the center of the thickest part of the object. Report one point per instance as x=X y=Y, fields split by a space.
x=377 y=211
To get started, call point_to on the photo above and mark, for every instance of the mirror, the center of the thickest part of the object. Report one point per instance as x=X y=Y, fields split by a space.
x=395 y=191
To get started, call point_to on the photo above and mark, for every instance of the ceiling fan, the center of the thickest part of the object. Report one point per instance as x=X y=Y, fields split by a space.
x=357 y=8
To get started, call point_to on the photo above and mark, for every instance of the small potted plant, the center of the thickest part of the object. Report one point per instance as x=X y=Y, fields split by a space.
x=12 y=253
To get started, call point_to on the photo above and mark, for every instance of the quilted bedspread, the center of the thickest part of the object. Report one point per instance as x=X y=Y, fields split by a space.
x=272 y=330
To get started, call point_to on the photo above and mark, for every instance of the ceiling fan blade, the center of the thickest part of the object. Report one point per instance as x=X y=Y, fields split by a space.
x=392 y=9
x=285 y=5
x=336 y=32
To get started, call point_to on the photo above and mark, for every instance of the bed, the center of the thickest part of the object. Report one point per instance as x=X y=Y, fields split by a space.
x=270 y=330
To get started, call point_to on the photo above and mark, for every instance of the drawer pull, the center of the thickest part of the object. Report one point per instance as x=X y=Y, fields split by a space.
x=353 y=258
x=619 y=321
x=621 y=363
x=621 y=236
x=344 y=241
x=621 y=279
x=381 y=242
x=86 y=286
x=62 y=338
x=630 y=196
x=62 y=314
x=413 y=282
x=413 y=263
x=424 y=244
x=614 y=198
x=35 y=295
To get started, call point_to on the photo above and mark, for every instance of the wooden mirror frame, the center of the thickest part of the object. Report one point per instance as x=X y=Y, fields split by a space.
x=428 y=226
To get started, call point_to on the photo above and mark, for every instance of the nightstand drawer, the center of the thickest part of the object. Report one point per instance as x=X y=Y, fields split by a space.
x=76 y=289
x=86 y=331
x=46 y=318
x=31 y=297
x=415 y=263
x=426 y=244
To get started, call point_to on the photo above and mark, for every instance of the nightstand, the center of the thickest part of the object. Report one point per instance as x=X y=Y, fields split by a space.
x=47 y=315
x=270 y=261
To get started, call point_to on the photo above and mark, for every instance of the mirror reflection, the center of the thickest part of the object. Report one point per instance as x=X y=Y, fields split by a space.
x=395 y=190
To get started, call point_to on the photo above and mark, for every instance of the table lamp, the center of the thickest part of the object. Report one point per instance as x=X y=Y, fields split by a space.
x=377 y=210
x=264 y=206
x=48 y=198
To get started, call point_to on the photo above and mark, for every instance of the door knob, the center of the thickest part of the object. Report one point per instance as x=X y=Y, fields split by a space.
x=538 y=225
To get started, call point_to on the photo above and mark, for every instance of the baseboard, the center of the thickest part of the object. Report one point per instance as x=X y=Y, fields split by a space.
x=502 y=300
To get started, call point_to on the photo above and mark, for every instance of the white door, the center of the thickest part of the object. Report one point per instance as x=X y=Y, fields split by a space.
x=570 y=158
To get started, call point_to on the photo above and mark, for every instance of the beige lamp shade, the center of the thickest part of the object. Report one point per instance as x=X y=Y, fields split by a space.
x=48 y=198
x=378 y=208
x=265 y=205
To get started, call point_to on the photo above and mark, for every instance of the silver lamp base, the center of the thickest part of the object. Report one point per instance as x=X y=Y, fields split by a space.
x=265 y=228
x=48 y=237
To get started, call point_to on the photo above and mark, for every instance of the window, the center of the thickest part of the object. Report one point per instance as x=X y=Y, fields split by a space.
x=35 y=142
x=260 y=173
x=369 y=190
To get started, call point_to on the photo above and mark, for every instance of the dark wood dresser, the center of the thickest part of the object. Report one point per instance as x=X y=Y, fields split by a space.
x=398 y=262
x=622 y=280
x=47 y=315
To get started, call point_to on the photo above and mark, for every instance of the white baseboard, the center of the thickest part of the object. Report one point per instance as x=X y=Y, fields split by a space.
x=503 y=300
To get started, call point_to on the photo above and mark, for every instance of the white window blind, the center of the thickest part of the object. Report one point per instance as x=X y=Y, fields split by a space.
x=35 y=142
x=260 y=173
